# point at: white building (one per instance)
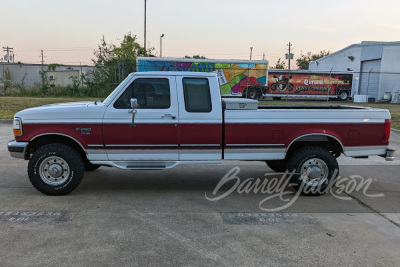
(376, 67)
(29, 74)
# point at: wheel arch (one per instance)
(327, 141)
(46, 138)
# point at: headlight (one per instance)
(17, 127)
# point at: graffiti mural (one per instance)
(233, 77)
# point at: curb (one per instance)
(6, 121)
(395, 130)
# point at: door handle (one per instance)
(168, 116)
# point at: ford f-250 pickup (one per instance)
(157, 120)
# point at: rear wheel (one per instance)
(56, 169)
(315, 170)
(343, 95)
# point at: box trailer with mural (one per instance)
(247, 78)
(303, 83)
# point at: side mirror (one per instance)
(134, 103)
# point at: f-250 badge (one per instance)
(84, 130)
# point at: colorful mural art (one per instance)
(280, 82)
(233, 76)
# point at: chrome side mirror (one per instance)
(134, 105)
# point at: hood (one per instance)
(85, 111)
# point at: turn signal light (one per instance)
(17, 132)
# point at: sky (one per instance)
(69, 31)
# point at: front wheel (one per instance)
(315, 170)
(56, 169)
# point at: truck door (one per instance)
(154, 135)
(200, 118)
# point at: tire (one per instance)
(253, 94)
(343, 95)
(91, 167)
(315, 170)
(277, 165)
(67, 169)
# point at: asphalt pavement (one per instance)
(173, 218)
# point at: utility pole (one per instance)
(263, 56)
(145, 3)
(248, 73)
(289, 56)
(8, 50)
(42, 56)
(42, 72)
(162, 35)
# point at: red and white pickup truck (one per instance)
(157, 120)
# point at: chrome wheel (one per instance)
(314, 172)
(54, 170)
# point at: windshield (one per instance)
(114, 93)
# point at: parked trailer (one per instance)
(247, 78)
(306, 84)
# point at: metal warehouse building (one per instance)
(376, 67)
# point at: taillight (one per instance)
(387, 130)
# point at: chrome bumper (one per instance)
(389, 154)
(17, 149)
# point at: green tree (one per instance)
(304, 59)
(114, 63)
(280, 64)
(196, 57)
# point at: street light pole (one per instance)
(162, 35)
(145, 2)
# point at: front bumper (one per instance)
(17, 149)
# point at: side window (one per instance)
(197, 95)
(151, 93)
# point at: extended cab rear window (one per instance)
(197, 95)
(151, 93)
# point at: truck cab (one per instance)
(177, 118)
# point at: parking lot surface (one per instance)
(172, 218)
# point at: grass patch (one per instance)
(11, 105)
